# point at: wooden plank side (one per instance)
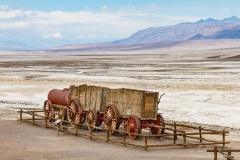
(113, 96)
(134, 102)
(82, 95)
(128, 101)
(78, 93)
(96, 97)
(149, 110)
(73, 92)
(93, 97)
(104, 95)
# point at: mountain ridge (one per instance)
(182, 31)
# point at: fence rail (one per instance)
(227, 153)
(173, 136)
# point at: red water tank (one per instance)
(58, 96)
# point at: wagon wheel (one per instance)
(133, 126)
(47, 107)
(62, 114)
(111, 118)
(92, 119)
(159, 122)
(52, 114)
(71, 112)
(80, 117)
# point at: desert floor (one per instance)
(201, 86)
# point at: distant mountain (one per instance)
(233, 33)
(12, 45)
(160, 37)
(232, 19)
(183, 31)
(197, 37)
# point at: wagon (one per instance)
(134, 109)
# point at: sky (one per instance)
(48, 23)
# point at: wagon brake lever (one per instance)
(160, 98)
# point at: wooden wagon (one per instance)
(134, 109)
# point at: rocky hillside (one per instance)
(209, 28)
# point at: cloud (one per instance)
(104, 8)
(151, 7)
(56, 35)
(4, 7)
(84, 26)
(92, 36)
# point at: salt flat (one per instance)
(201, 86)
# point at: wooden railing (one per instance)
(173, 136)
(227, 153)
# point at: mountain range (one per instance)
(156, 37)
(228, 28)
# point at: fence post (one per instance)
(200, 133)
(175, 132)
(76, 130)
(124, 139)
(223, 138)
(107, 139)
(146, 146)
(33, 117)
(46, 118)
(91, 132)
(215, 153)
(184, 139)
(229, 155)
(20, 115)
(175, 136)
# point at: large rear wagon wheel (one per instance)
(159, 122)
(133, 126)
(92, 119)
(112, 118)
(80, 117)
(71, 113)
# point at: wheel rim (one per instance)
(133, 126)
(158, 122)
(111, 118)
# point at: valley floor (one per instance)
(200, 87)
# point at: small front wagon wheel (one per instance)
(159, 122)
(48, 110)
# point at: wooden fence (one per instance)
(227, 153)
(175, 134)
